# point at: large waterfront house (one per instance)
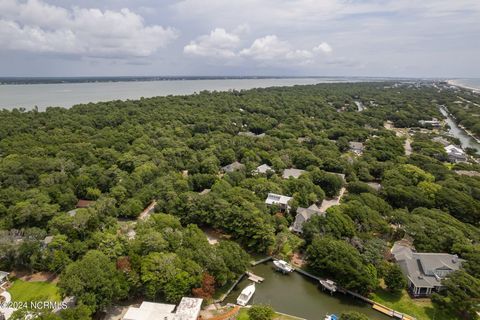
(279, 200)
(303, 215)
(292, 172)
(424, 271)
(188, 309)
(455, 154)
(232, 167)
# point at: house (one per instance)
(188, 309)
(3, 278)
(441, 140)
(356, 147)
(204, 192)
(82, 204)
(455, 154)
(232, 167)
(263, 169)
(435, 123)
(303, 215)
(295, 173)
(279, 200)
(251, 134)
(424, 271)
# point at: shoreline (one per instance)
(455, 83)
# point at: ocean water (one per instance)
(473, 83)
(68, 94)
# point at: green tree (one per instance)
(353, 315)
(93, 280)
(261, 312)
(394, 278)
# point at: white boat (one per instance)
(246, 295)
(283, 266)
(329, 285)
(331, 317)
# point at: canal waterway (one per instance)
(466, 140)
(299, 296)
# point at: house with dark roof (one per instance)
(424, 271)
(303, 215)
(232, 167)
(455, 154)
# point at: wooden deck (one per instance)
(254, 277)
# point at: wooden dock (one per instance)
(254, 263)
(254, 277)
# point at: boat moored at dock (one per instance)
(283, 266)
(246, 295)
(329, 285)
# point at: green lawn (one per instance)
(422, 309)
(243, 315)
(34, 291)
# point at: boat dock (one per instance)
(254, 277)
(254, 263)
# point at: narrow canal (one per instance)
(465, 140)
(299, 296)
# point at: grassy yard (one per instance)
(34, 291)
(243, 315)
(422, 309)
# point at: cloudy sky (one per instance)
(438, 38)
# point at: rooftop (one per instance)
(295, 173)
(274, 198)
(188, 309)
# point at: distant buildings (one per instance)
(441, 140)
(279, 200)
(435, 123)
(188, 309)
(455, 154)
(303, 215)
(424, 271)
(356, 147)
(232, 167)
(295, 173)
(251, 134)
(263, 169)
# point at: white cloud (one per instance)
(271, 49)
(219, 43)
(39, 27)
(323, 47)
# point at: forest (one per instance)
(122, 155)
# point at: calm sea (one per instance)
(471, 83)
(68, 94)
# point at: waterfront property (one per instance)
(424, 271)
(188, 309)
(232, 167)
(455, 154)
(434, 123)
(292, 172)
(304, 214)
(279, 200)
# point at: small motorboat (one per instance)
(283, 266)
(329, 285)
(246, 295)
(331, 317)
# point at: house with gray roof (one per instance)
(455, 154)
(424, 271)
(303, 215)
(263, 169)
(292, 172)
(3, 277)
(356, 147)
(232, 167)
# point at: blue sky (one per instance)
(427, 38)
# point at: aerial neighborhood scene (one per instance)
(254, 160)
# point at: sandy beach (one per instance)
(456, 83)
